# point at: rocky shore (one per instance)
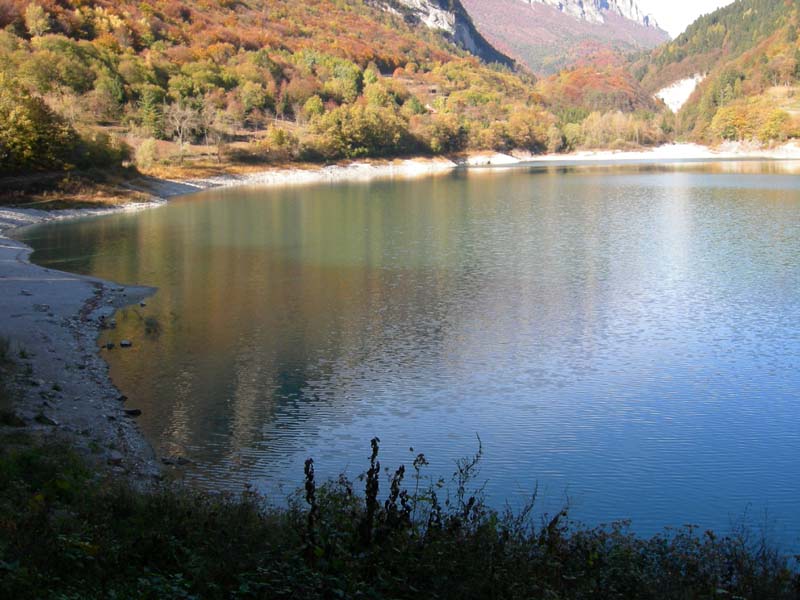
(52, 321)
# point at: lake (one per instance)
(625, 338)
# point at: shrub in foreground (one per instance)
(66, 534)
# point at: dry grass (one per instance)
(53, 191)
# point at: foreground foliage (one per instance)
(66, 534)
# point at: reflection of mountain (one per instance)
(286, 316)
(616, 332)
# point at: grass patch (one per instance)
(7, 416)
(66, 534)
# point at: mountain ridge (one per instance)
(549, 35)
(594, 10)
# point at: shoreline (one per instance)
(62, 389)
(361, 171)
(729, 151)
(53, 318)
(683, 152)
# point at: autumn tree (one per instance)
(37, 21)
(151, 110)
(182, 120)
(32, 136)
(362, 130)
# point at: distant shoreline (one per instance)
(160, 189)
(678, 152)
(421, 167)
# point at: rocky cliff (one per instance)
(451, 18)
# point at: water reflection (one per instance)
(629, 336)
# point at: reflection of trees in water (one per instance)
(293, 309)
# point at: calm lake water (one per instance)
(624, 337)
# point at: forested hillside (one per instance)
(327, 79)
(161, 83)
(750, 55)
(95, 84)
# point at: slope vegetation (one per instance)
(168, 84)
(66, 534)
(750, 55)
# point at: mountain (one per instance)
(742, 63)
(548, 35)
(595, 11)
(450, 18)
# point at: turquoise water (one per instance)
(624, 338)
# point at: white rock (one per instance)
(485, 160)
(678, 93)
(430, 14)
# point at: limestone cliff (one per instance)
(451, 18)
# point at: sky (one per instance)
(676, 15)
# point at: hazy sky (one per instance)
(675, 15)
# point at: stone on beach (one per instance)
(115, 458)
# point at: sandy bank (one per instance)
(356, 171)
(667, 152)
